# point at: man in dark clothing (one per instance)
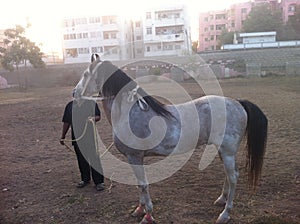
(79, 116)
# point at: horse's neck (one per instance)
(107, 105)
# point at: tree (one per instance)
(225, 38)
(263, 19)
(19, 50)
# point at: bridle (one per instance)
(131, 94)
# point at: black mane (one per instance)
(116, 80)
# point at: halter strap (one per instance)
(134, 93)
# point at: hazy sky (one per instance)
(46, 16)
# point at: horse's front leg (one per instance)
(145, 206)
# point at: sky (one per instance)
(46, 16)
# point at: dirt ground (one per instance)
(38, 175)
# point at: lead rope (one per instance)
(95, 138)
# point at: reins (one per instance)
(95, 138)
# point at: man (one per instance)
(78, 115)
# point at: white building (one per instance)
(258, 37)
(162, 32)
(167, 32)
(106, 35)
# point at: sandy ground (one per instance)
(38, 176)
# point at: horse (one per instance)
(127, 104)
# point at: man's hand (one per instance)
(62, 141)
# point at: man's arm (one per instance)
(65, 129)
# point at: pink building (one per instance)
(210, 28)
(288, 8)
(212, 23)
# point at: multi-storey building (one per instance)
(161, 32)
(232, 19)
(167, 32)
(288, 8)
(211, 26)
(108, 36)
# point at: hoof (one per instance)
(138, 212)
(223, 220)
(148, 219)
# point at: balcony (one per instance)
(110, 27)
(110, 42)
(169, 22)
(164, 38)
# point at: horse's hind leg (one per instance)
(232, 177)
(222, 199)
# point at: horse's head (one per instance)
(88, 84)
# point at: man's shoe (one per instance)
(100, 187)
(82, 184)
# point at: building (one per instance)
(210, 28)
(288, 8)
(232, 19)
(137, 39)
(106, 35)
(167, 32)
(162, 32)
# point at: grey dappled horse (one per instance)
(125, 103)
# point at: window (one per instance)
(72, 36)
(220, 27)
(177, 47)
(149, 30)
(148, 15)
(137, 24)
(139, 51)
(95, 34)
(80, 21)
(206, 29)
(109, 20)
(168, 47)
(211, 17)
(97, 49)
(106, 36)
(85, 35)
(148, 49)
(113, 36)
(206, 19)
(244, 10)
(139, 37)
(291, 8)
(71, 53)
(94, 20)
(212, 37)
(221, 16)
(79, 35)
(211, 27)
(83, 50)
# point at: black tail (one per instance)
(257, 128)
